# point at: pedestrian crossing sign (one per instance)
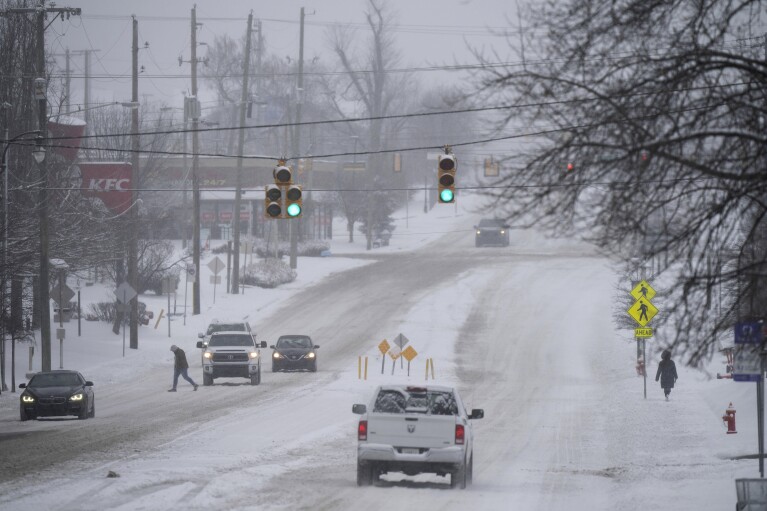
(643, 290)
(642, 311)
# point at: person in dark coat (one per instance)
(666, 373)
(180, 367)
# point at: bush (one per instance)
(268, 273)
(107, 311)
(308, 248)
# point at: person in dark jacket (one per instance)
(666, 373)
(180, 367)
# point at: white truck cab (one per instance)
(233, 354)
(413, 430)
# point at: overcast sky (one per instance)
(429, 32)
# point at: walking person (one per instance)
(666, 373)
(180, 367)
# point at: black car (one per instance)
(57, 393)
(294, 352)
(491, 232)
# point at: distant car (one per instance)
(221, 326)
(57, 393)
(294, 352)
(491, 231)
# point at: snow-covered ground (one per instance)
(566, 423)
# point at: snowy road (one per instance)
(525, 333)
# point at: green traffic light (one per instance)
(294, 210)
(446, 195)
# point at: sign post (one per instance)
(642, 312)
(216, 265)
(383, 347)
(401, 341)
(748, 365)
(124, 293)
(409, 353)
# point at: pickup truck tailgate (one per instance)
(411, 430)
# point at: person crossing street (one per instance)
(180, 367)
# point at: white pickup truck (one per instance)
(413, 430)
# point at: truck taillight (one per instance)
(459, 434)
(362, 430)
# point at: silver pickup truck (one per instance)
(413, 430)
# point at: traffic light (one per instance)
(293, 201)
(282, 174)
(273, 202)
(446, 178)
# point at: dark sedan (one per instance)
(56, 394)
(294, 352)
(491, 232)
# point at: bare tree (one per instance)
(643, 126)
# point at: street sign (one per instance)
(643, 290)
(749, 332)
(747, 364)
(354, 167)
(191, 273)
(246, 247)
(169, 285)
(401, 341)
(125, 292)
(642, 311)
(383, 347)
(409, 353)
(216, 265)
(394, 352)
(61, 334)
(215, 279)
(65, 293)
(643, 332)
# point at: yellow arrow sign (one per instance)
(383, 346)
(643, 290)
(642, 311)
(409, 353)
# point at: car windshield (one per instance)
(226, 327)
(294, 342)
(490, 223)
(419, 401)
(231, 340)
(55, 380)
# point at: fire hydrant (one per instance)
(729, 418)
(640, 367)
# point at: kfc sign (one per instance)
(108, 181)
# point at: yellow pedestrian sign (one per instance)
(643, 290)
(642, 311)
(643, 332)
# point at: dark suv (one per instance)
(491, 231)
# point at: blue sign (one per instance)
(748, 332)
(745, 377)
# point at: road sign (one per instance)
(383, 347)
(643, 290)
(748, 332)
(401, 341)
(191, 273)
(246, 247)
(65, 293)
(409, 353)
(642, 311)
(747, 364)
(216, 265)
(394, 352)
(125, 292)
(643, 332)
(215, 279)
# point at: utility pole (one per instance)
(235, 282)
(195, 171)
(297, 138)
(134, 217)
(67, 83)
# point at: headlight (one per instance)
(207, 354)
(77, 397)
(479, 232)
(253, 354)
(276, 355)
(503, 232)
(26, 398)
(310, 355)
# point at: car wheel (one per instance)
(275, 368)
(93, 409)
(207, 379)
(83, 412)
(23, 414)
(458, 478)
(313, 368)
(470, 471)
(364, 474)
(255, 378)
(477, 243)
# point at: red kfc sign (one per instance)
(108, 181)
(66, 133)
